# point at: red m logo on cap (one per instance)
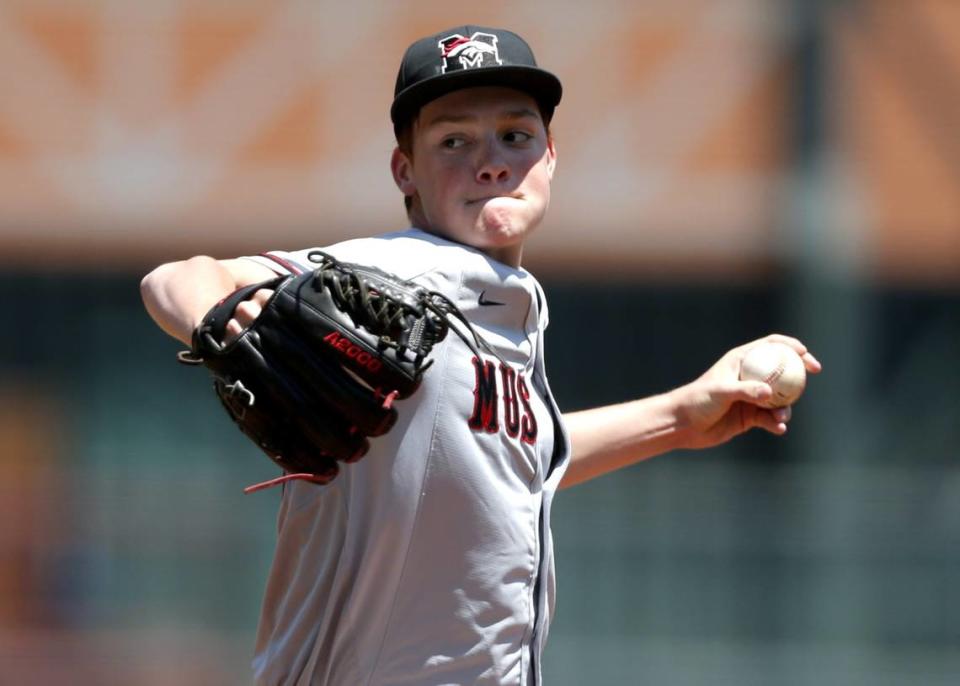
(459, 52)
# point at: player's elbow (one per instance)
(152, 284)
(149, 284)
(159, 278)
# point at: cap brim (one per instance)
(540, 84)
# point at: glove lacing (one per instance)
(386, 313)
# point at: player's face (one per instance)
(481, 168)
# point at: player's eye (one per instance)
(517, 137)
(453, 142)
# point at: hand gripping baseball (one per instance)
(724, 402)
(314, 375)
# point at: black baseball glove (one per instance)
(316, 374)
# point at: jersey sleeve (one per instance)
(434, 262)
(282, 262)
(403, 254)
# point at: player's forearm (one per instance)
(178, 294)
(608, 438)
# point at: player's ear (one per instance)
(402, 169)
(551, 156)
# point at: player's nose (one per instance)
(492, 165)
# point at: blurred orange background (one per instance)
(135, 130)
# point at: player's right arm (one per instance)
(178, 294)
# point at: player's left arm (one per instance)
(703, 413)
(178, 294)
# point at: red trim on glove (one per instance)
(312, 478)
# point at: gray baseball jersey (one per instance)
(430, 561)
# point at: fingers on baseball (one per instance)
(752, 392)
(772, 421)
(773, 426)
(811, 363)
(786, 340)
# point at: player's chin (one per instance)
(507, 239)
(500, 228)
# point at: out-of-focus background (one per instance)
(726, 169)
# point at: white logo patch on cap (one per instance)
(460, 52)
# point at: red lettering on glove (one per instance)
(352, 351)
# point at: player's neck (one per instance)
(509, 254)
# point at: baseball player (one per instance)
(430, 561)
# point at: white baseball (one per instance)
(778, 365)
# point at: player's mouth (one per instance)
(485, 198)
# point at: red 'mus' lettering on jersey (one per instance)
(511, 407)
(529, 423)
(513, 390)
(484, 416)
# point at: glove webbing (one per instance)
(384, 311)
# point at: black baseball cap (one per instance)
(464, 57)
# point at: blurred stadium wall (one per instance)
(726, 169)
